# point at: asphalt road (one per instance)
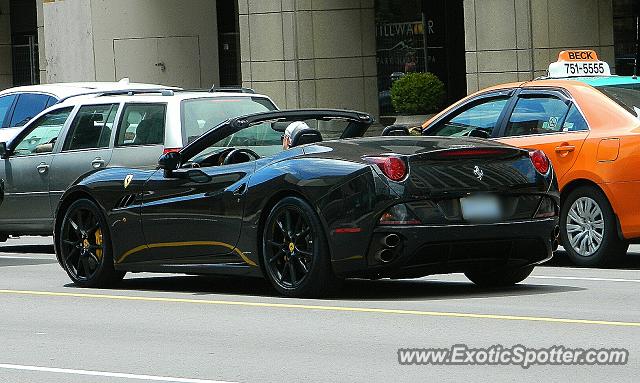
(203, 329)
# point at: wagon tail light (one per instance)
(393, 167)
(171, 150)
(540, 161)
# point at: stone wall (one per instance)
(310, 53)
(516, 40)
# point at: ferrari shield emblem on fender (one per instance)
(478, 173)
(127, 180)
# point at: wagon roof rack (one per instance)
(124, 92)
(231, 89)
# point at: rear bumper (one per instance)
(425, 250)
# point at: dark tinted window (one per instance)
(536, 115)
(91, 128)
(43, 133)
(142, 124)
(476, 121)
(5, 105)
(27, 107)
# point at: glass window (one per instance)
(626, 95)
(477, 121)
(91, 128)
(52, 101)
(574, 121)
(5, 105)
(142, 124)
(44, 134)
(536, 115)
(202, 114)
(28, 106)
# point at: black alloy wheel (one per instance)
(85, 247)
(295, 252)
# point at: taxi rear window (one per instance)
(626, 95)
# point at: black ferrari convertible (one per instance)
(332, 206)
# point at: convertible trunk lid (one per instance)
(447, 166)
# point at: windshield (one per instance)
(202, 114)
(626, 95)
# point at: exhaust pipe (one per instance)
(384, 256)
(391, 241)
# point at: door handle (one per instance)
(240, 190)
(97, 163)
(565, 148)
(42, 168)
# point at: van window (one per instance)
(142, 124)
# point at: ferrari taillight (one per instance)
(399, 215)
(393, 167)
(540, 161)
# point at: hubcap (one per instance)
(585, 226)
(81, 244)
(289, 248)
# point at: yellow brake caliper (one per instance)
(99, 243)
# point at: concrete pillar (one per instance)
(6, 73)
(516, 40)
(310, 53)
(42, 57)
(156, 41)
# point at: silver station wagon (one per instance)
(90, 132)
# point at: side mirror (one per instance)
(169, 162)
(3, 150)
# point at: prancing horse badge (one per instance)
(127, 180)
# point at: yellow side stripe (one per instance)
(184, 244)
(329, 308)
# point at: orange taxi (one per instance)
(587, 121)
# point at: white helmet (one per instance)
(296, 125)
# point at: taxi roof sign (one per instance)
(578, 63)
(578, 55)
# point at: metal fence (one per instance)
(26, 69)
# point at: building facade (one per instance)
(307, 53)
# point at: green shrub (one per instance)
(417, 93)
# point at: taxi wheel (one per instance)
(502, 278)
(588, 228)
(295, 253)
(85, 246)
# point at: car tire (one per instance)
(501, 278)
(599, 223)
(84, 243)
(295, 253)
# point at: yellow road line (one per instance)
(325, 308)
